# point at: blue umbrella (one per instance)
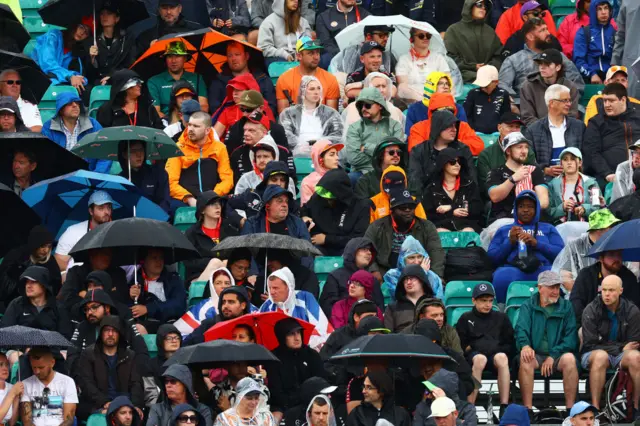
(63, 201)
(625, 237)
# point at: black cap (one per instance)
(510, 118)
(39, 274)
(400, 198)
(552, 56)
(100, 278)
(368, 46)
(169, 3)
(483, 289)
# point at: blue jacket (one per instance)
(49, 55)
(594, 55)
(502, 251)
(419, 112)
(53, 129)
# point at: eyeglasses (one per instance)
(354, 283)
(12, 82)
(172, 339)
(246, 109)
(366, 105)
(480, 4)
(188, 419)
(423, 36)
(564, 101)
(453, 162)
(92, 308)
(394, 152)
(369, 388)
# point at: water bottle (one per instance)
(465, 204)
(522, 249)
(595, 195)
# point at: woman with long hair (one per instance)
(280, 31)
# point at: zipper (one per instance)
(603, 48)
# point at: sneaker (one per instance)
(532, 415)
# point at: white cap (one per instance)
(442, 407)
(512, 139)
(485, 75)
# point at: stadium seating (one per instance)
(152, 347)
(184, 218)
(196, 292)
(47, 104)
(451, 240)
(457, 294)
(323, 265)
(608, 192)
(99, 95)
(590, 90)
(563, 7)
(29, 47)
(304, 167)
(97, 420)
(517, 293)
(489, 139)
(465, 91)
(276, 69)
(30, 7)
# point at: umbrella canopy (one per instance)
(128, 236)
(11, 27)
(34, 82)
(256, 242)
(221, 351)
(53, 160)
(625, 237)
(103, 144)
(16, 220)
(63, 201)
(263, 327)
(18, 336)
(65, 13)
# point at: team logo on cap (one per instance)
(483, 287)
(406, 194)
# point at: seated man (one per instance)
(70, 124)
(332, 20)
(170, 20)
(187, 107)
(57, 54)
(522, 250)
(393, 179)
(49, 397)
(121, 412)
(204, 167)
(558, 130)
(23, 167)
(283, 297)
(507, 181)
(533, 102)
(348, 60)
(275, 216)
(611, 336)
(151, 180)
(487, 339)
(413, 286)
(512, 19)
(486, 103)
(547, 339)
(371, 58)
(107, 369)
(530, 9)
(391, 151)
(432, 308)
(616, 74)
(11, 85)
(260, 154)
(593, 45)
(10, 116)
(623, 183)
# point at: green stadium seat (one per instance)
(152, 347)
(97, 420)
(29, 47)
(458, 293)
(304, 167)
(489, 139)
(590, 90)
(458, 239)
(14, 373)
(99, 95)
(323, 265)
(276, 69)
(196, 292)
(30, 7)
(321, 285)
(116, 168)
(47, 104)
(465, 92)
(559, 20)
(608, 192)
(563, 7)
(513, 315)
(182, 271)
(36, 26)
(184, 218)
(454, 314)
(517, 293)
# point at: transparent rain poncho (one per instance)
(261, 415)
(332, 416)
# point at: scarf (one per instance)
(578, 192)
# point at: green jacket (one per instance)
(381, 233)
(555, 210)
(470, 42)
(560, 326)
(364, 135)
(369, 184)
(491, 158)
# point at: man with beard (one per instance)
(589, 282)
(121, 412)
(514, 176)
(170, 20)
(516, 68)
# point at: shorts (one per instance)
(541, 359)
(490, 365)
(614, 361)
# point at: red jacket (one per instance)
(570, 26)
(510, 22)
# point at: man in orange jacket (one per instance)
(205, 165)
(421, 131)
(511, 20)
(393, 178)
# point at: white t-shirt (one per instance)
(418, 70)
(47, 406)
(69, 239)
(30, 113)
(3, 395)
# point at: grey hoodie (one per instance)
(448, 382)
(272, 38)
(260, 9)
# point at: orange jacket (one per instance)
(192, 153)
(421, 131)
(381, 200)
(510, 22)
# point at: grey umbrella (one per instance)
(263, 241)
(220, 351)
(18, 336)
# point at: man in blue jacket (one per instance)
(70, 124)
(593, 45)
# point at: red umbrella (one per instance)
(263, 326)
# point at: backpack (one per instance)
(470, 263)
(619, 391)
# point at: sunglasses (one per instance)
(12, 82)
(246, 109)
(423, 36)
(537, 13)
(366, 105)
(381, 35)
(406, 207)
(188, 419)
(394, 152)
(480, 5)
(453, 162)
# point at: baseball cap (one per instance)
(483, 289)
(510, 118)
(368, 46)
(601, 219)
(552, 56)
(132, 82)
(614, 69)
(528, 6)
(442, 407)
(337, 146)
(486, 74)
(251, 99)
(189, 107)
(169, 3)
(512, 139)
(580, 407)
(571, 150)
(260, 118)
(307, 43)
(8, 109)
(370, 29)
(185, 90)
(635, 146)
(549, 278)
(99, 198)
(36, 273)
(401, 198)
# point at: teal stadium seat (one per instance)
(97, 420)
(196, 292)
(47, 104)
(517, 293)
(116, 168)
(489, 139)
(608, 192)
(99, 95)
(465, 92)
(563, 7)
(29, 47)
(276, 69)
(152, 347)
(304, 167)
(184, 218)
(30, 7)
(451, 240)
(454, 314)
(323, 265)
(590, 90)
(457, 294)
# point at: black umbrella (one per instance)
(220, 351)
(11, 27)
(16, 220)
(34, 82)
(18, 336)
(257, 242)
(65, 13)
(53, 160)
(128, 236)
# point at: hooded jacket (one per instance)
(596, 326)
(400, 313)
(470, 42)
(92, 374)
(366, 414)
(484, 111)
(626, 49)
(515, 415)
(447, 336)
(341, 218)
(160, 413)
(261, 9)
(343, 335)
(308, 185)
(593, 53)
(157, 368)
(448, 382)
(53, 129)
(310, 388)
(115, 55)
(532, 103)
(489, 334)
(10, 103)
(272, 39)
(342, 312)
(236, 10)
(421, 132)
(381, 205)
(570, 26)
(295, 366)
(422, 164)
(181, 408)
(626, 205)
(218, 87)
(332, 20)
(161, 29)
(229, 113)
(200, 169)
(111, 114)
(119, 402)
(53, 59)
(151, 180)
(369, 184)
(502, 251)
(435, 196)
(335, 287)
(175, 296)
(510, 22)
(556, 212)
(239, 151)
(364, 136)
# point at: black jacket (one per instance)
(596, 326)
(484, 111)
(400, 313)
(116, 56)
(239, 157)
(348, 218)
(52, 317)
(335, 287)
(366, 414)
(218, 91)
(330, 22)
(151, 180)
(176, 297)
(297, 415)
(588, 281)
(625, 208)
(436, 196)
(160, 29)
(156, 364)
(488, 334)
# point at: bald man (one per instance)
(611, 332)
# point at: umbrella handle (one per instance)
(95, 41)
